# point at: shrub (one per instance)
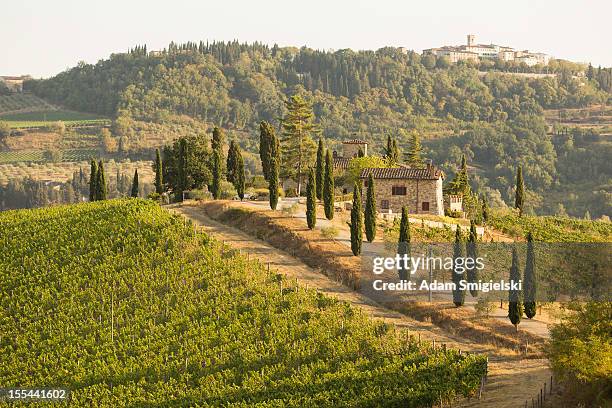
(228, 191)
(330, 232)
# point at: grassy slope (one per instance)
(189, 326)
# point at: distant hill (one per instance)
(496, 120)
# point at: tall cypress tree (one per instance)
(135, 185)
(458, 293)
(232, 161)
(519, 197)
(159, 183)
(320, 170)
(485, 210)
(311, 200)
(356, 221)
(530, 280)
(93, 177)
(239, 176)
(273, 183)
(215, 186)
(403, 242)
(101, 188)
(515, 304)
(389, 148)
(370, 211)
(328, 187)
(471, 251)
(265, 141)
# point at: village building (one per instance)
(350, 150)
(419, 189)
(476, 52)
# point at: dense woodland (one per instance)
(495, 119)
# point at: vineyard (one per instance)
(551, 228)
(38, 156)
(23, 102)
(63, 171)
(123, 304)
(43, 117)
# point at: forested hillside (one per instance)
(496, 119)
(124, 305)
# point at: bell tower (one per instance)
(471, 40)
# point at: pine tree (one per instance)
(135, 185)
(311, 200)
(215, 186)
(273, 183)
(471, 252)
(413, 156)
(370, 211)
(328, 187)
(298, 146)
(529, 280)
(320, 169)
(458, 293)
(515, 304)
(101, 188)
(93, 177)
(403, 242)
(159, 186)
(356, 221)
(519, 198)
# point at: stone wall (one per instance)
(417, 192)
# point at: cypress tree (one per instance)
(159, 187)
(218, 138)
(403, 242)
(311, 200)
(458, 293)
(529, 280)
(356, 221)
(519, 198)
(370, 211)
(471, 251)
(485, 210)
(320, 170)
(101, 188)
(93, 177)
(135, 185)
(273, 183)
(389, 148)
(239, 172)
(328, 187)
(231, 162)
(215, 186)
(515, 305)
(182, 169)
(360, 153)
(265, 141)
(395, 152)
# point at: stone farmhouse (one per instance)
(419, 189)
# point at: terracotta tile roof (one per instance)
(355, 141)
(425, 173)
(341, 162)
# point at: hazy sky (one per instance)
(42, 38)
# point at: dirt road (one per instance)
(511, 379)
